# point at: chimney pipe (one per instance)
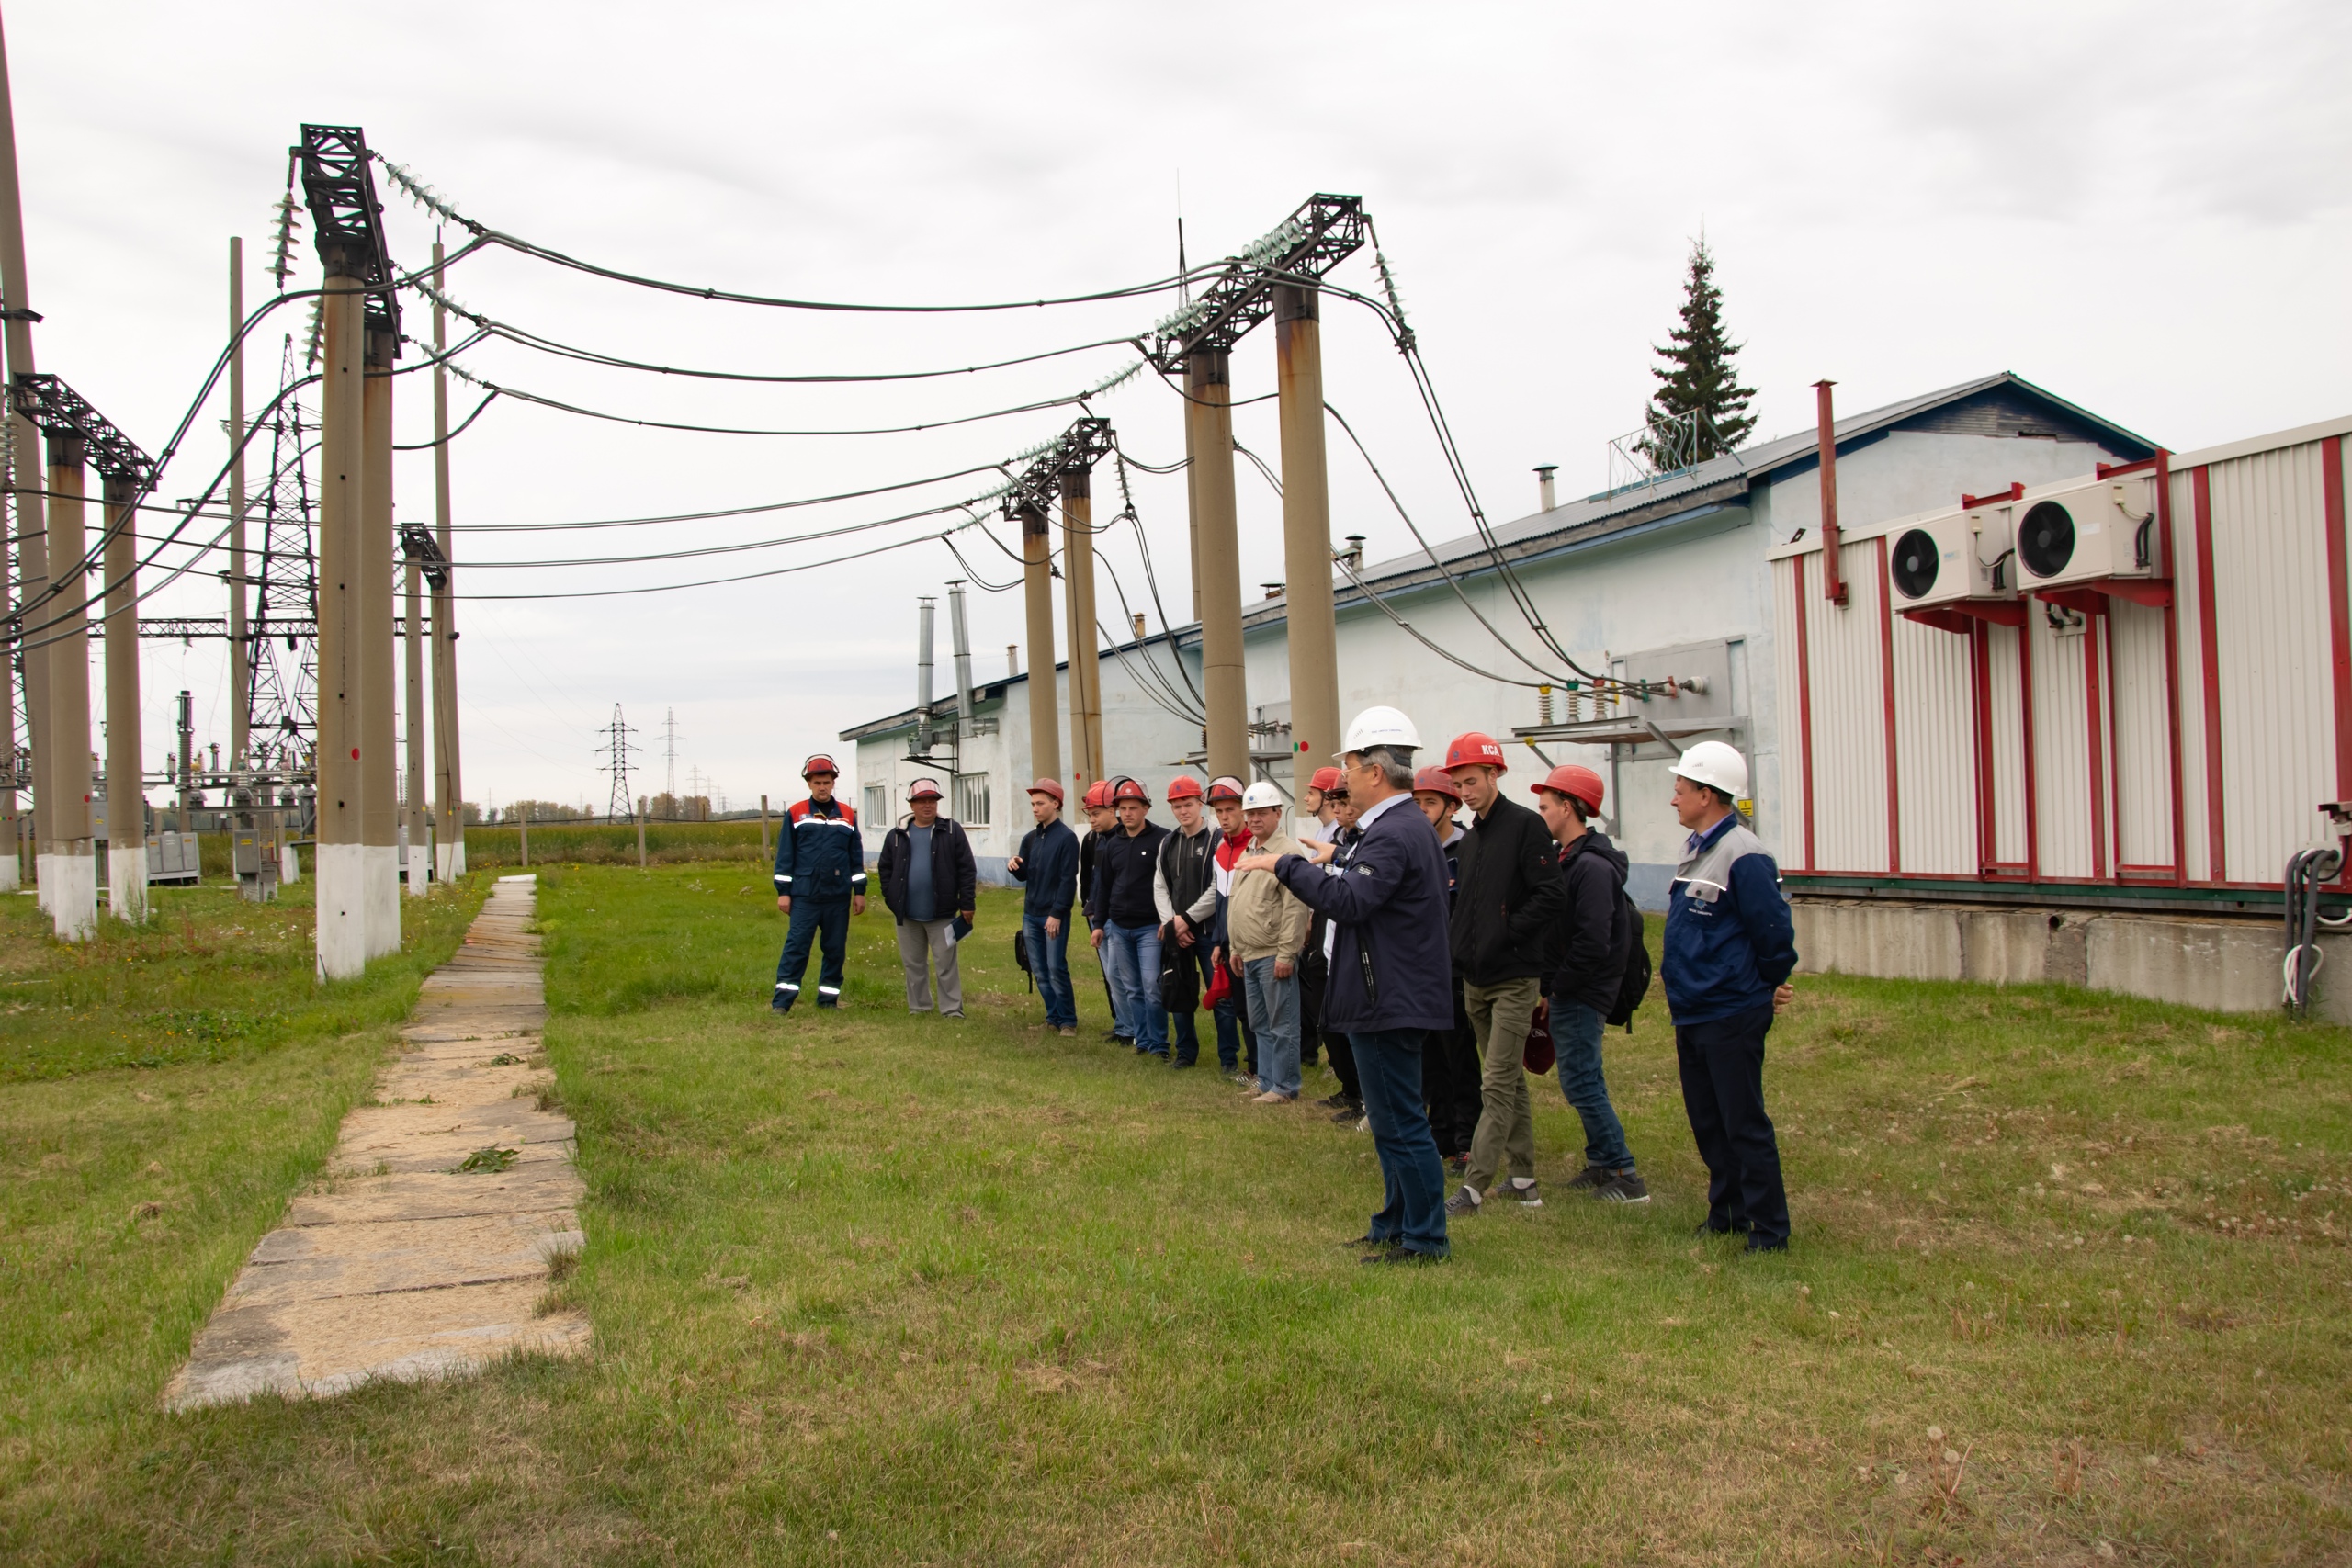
(1833, 587)
(1139, 626)
(922, 674)
(1355, 552)
(1012, 659)
(957, 631)
(1545, 492)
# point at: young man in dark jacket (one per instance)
(929, 882)
(1730, 948)
(1590, 944)
(820, 883)
(1184, 896)
(1126, 915)
(1101, 823)
(1450, 1061)
(1387, 987)
(1506, 896)
(1046, 867)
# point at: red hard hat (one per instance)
(1473, 749)
(1098, 795)
(1048, 786)
(1436, 781)
(1128, 789)
(1225, 787)
(820, 763)
(1576, 779)
(1329, 780)
(1187, 787)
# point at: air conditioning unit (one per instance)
(2084, 533)
(1952, 559)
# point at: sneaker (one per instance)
(1462, 1203)
(1523, 1189)
(1590, 1177)
(1066, 1033)
(1456, 1164)
(1623, 1187)
(1339, 1102)
(1767, 1243)
(1708, 1227)
(1406, 1257)
(957, 1016)
(1111, 1036)
(1350, 1111)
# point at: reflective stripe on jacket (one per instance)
(1729, 938)
(820, 853)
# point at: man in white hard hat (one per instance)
(1266, 926)
(1388, 983)
(1730, 948)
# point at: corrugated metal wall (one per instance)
(2102, 739)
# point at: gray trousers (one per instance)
(1501, 1016)
(924, 946)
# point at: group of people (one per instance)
(1436, 938)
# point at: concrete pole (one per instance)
(1086, 759)
(342, 882)
(449, 790)
(240, 648)
(32, 556)
(763, 829)
(420, 819)
(70, 867)
(1208, 436)
(1306, 532)
(126, 780)
(378, 739)
(1044, 704)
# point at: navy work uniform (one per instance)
(1729, 944)
(820, 866)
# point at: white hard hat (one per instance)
(1381, 727)
(1261, 795)
(1719, 766)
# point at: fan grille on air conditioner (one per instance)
(2046, 539)
(1914, 566)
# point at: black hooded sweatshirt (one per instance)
(1506, 896)
(1588, 948)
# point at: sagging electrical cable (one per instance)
(425, 197)
(1410, 630)
(700, 551)
(480, 409)
(791, 506)
(521, 337)
(1150, 573)
(716, 582)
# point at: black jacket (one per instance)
(1507, 895)
(1388, 966)
(1122, 873)
(1588, 947)
(1049, 870)
(952, 870)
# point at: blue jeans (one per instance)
(1274, 1016)
(1131, 953)
(813, 919)
(1049, 966)
(1575, 1043)
(1389, 1064)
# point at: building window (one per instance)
(877, 804)
(972, 799)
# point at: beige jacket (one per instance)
(1263, 919)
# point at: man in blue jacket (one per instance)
(1046, 867)
(820, 882)
(1390, 974)
(1730, 948)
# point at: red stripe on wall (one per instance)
(2201, 501)
(2172, 665)
(1886, 680)
(1805, 709)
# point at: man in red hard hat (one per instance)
(1507, 894)
(1046, 866)
(1183, 891)
(1101, 823)
(1125, 917)
(1590, 948)
(1233, 1033)
(820, 883)
(1450, 1061)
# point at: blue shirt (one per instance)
(921, 905)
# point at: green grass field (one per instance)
(2070, 1284)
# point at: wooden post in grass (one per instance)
(640, 830)
(522, 829)
(763, 828)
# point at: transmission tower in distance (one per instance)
(281, 706)
(617, 747)
(670, 739)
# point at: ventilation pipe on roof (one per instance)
(1353, 554)
(1546, 491)
(922, 674)
(962, 637)
(1833, 587)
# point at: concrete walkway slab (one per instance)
(398, 1263)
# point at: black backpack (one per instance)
(1633, 975)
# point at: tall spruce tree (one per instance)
(1698, 377)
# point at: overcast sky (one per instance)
(2141, 207)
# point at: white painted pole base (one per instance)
(343, 911)
(126, 886)
(289, 865)
(418, 859)
(44, 879)
(8, 878)
(73, 900)
(382, 863)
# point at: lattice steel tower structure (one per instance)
(618, 745)
(282, 713)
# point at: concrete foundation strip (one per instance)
(395, 1265)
